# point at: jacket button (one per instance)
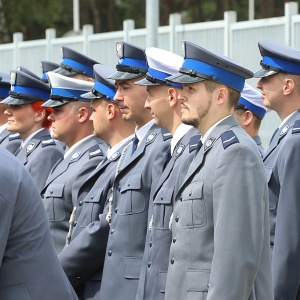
(174, 240)
(172, 261)
(43, 196)
(119, 188)
(112, 231)
(116, 210)
(109, 253)
(150, 244)
(80, 203)
(149, 264)
(161, 198)
(180, 198)
(51, 191)
(75, 223)
(190, 193)
(92, 197)
(128, 183)
(177, 219)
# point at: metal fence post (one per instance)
(87, 30)
(229, 18)
(174, 20)
(128, 25)
(290, 9)
(17, 38)
(152, 22)
(50, 35)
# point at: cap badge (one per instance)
(119, 49)
(12, 78)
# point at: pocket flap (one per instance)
(197, 280)
(55, 190)
(165, 195)
(94, 195)
(133, 267)
(194, 191)
(134, 182)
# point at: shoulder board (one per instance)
(228, 138)
(296, 127)
(151, 137)
(194, 142)
(95, 151)
(47, 140)
(14, 136)
(165, 134)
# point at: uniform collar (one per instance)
(286, 119)
(24, 143)
(141, 132)
(70, 150)
(178, 134)
(116, 147)
(3, 127)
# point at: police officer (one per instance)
(137, 174)
(249, 112)
(279, 85)
(38, 151)
(220, 246)
(29, 266)
(75, 65)
(71, 125)
(164, 105)
(9, 140)
(87, 240)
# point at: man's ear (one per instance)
(172, 96)
(248, 117)
(110, 111)
(288, 86)
(83, 114)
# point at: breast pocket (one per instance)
(54, 202)
(163, 207)
(132, 198)
(273, 199)
(92, 206)
(193, 212)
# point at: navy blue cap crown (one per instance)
(277, 58)
(200, 64)
(4, 85)
(46, 67)
(103, 87)
(132, 62)
(74, 63)
(26, 89)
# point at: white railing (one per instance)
(229, 37)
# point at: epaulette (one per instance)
(228, 138)
(95, 151)
(296, 127)
(14, 136)
(194, 142)
(47, 140)
(166, 134)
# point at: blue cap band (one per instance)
(134, 62)
(4, 92)
(44, 76)
(43, 95)
(105, 90)
(77, 65)
(228, 78)
(256, 110)
(288, 66)
(68, 93)
(162, 76)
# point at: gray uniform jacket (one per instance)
(29, 268)
(61, 190)
(152, 280)
(137, 176)
(220, 246)
(259, 145)
(39, 156)
(282, 167)
(89, 235)
(10, 141)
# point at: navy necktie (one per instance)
(134, 143)
(199, 145)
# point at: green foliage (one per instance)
(33, 17)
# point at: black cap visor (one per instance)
(264, 73)
(17, 101)
(66, 71)
(184, 78)
(55, 103)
